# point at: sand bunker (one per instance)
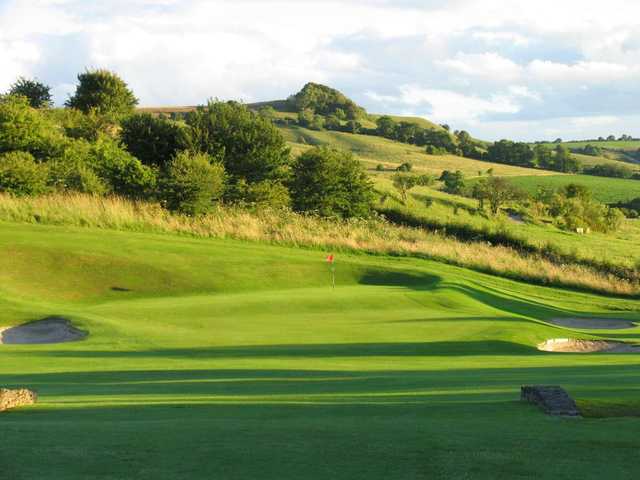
(569, 345)
(48, 330)
(593, 323)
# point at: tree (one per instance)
(403, 182)
(192, 183)
(323, 100)
(21, 175)
(543, 156)
(103, 92)
(154, 141)
(250, 147)
(386, 126)
(497, 191)
(331, 183)
(453, 181)
(38, 94)
(564, 161)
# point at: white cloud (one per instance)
(464, 61)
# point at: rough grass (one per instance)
(285, 228)
(457, 213)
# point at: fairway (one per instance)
(224, 359)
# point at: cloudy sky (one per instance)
(498, 68)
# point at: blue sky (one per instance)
(500, 69)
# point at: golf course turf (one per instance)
(235, 360)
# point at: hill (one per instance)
(209, 356)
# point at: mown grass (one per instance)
(216, 358)
(286, 228)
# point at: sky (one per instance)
(525, 70)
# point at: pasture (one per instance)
(225, 359)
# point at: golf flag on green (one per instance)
(332, 267)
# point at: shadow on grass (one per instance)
(414, 349)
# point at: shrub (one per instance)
(154, 141)
(250, 147)
(405, 167)
(38, 94)
(87, 126)
(380, 167)
(121, 171)
(331, 182)
(103, 92)
(192, 183)
(23, 128)
(21, 175)
(74, 170)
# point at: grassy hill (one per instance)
(372, 150)
(220, 358)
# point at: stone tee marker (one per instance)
(16, 398)
(553, 399)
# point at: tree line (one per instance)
(221, 153)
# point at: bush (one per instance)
(21, 175)
(405, 167)
(192, 183)
(73, 171)
(331, 183)
(609, 170)
(87, 126)
(122, 172)
(154, 141)
(38, 94)
(103, 92)
(23, 128)
(250, 147)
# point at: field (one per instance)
(226, 359)
(607, 190)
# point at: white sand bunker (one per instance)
(48, 330)
(569, 345)
(593, 323)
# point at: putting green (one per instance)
(223, 359)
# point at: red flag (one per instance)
(330, 258)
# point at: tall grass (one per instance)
(374, 236)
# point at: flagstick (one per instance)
(333, 275)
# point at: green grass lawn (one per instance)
(224, 359)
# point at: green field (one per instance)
(618, 247)
(604, 189)
(224, 359)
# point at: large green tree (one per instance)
(104, 92)
(331, 183)
(251, 148)
(154, 141)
